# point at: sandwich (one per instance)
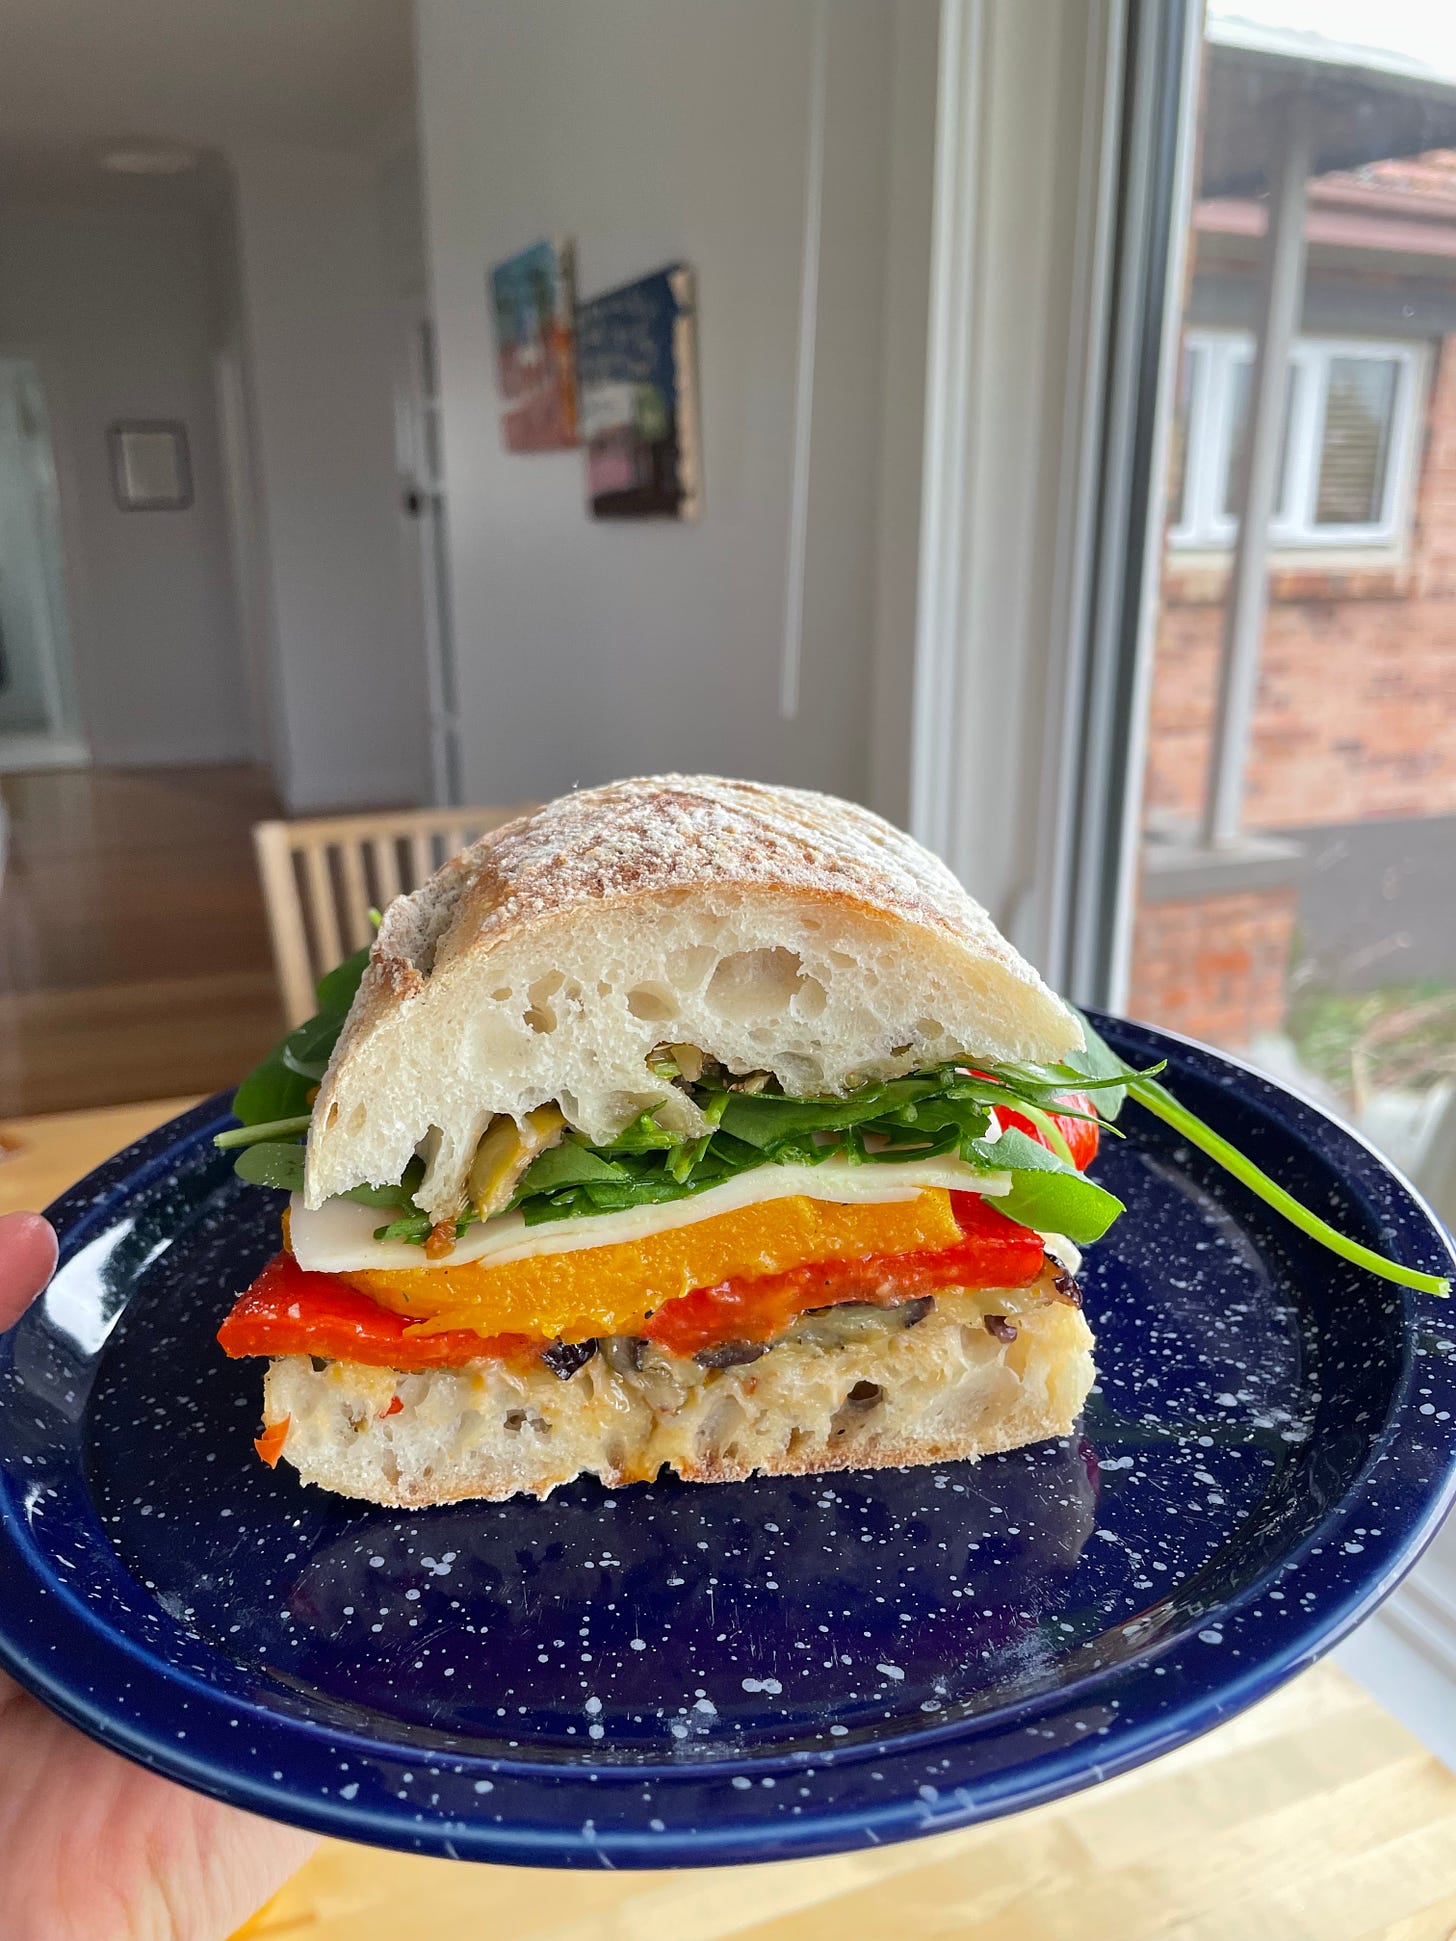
(683, 1124)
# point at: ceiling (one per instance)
(79, 74)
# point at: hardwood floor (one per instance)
(134, 959)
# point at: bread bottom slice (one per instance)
(848, 1389)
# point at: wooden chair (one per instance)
(322, 877)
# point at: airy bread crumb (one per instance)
(770, 928)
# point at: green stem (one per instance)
(274, 1129)
(1049, 1129)
(1164, 1106)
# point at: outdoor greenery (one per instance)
(1396, 1037)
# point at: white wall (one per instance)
(651, 130)
(400, 195)
(347, 678)
(117, 306)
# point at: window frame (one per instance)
(1059, 436)
(1205, 527)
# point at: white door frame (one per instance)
(419, 448)
(1025, 738)
(1024, 206)
(247, 551)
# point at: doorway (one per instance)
(38, 723)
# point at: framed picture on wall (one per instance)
(532, 298)
(151, 469)
(637, 373)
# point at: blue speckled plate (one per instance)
(677, 1675)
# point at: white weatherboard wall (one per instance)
(653, 131)
(117, 307)
(348, 682)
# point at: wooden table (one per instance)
(1313, 1817)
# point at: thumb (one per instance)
(27, 1260)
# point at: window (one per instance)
(1349, 427)
(1286, 740)
(1292, 888)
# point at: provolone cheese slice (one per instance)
(338, 1237)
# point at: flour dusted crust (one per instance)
(944, 1390)
(772, 928)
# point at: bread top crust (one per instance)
(658, 833)
(548, 887)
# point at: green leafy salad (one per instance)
(946, 1109)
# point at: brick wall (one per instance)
(1214, 967)
(1356, 714)
(1355, 720)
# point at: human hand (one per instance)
(93, 1848)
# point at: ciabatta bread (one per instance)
(841, 1391)
(772, 929)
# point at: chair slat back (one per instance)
(321, 878)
